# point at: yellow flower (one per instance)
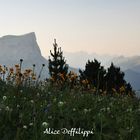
(122, 89)
(17, 66)
(3, 71)
(28, 71)
(62, 76)
(34, 77)
(52, 79)
(85, 82)
(11, 70)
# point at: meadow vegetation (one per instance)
(96, 99)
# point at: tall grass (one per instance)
(26, 110)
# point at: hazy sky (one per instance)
(101, 26)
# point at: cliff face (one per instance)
(13, 48)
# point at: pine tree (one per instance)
(114, 78)
(94, 73)
(57, 65)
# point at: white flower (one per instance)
(85, 110)
(32, 101)
(108, 109)
(31, 124)
(24, 126)
(45, 124)
(18, 106)
(7, 108)
(4, 98)
(21, 91)
(60, 104)
(129, 110)
(38, 94)
(74, 109)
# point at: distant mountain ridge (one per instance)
(13, 48)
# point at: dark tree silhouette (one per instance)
(57, 65)
(114, 78)
(94, 73)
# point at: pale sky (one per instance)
(100, 26)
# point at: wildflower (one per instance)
(85, 110)
(3, 71)
(108, 108)
(18, 106)
(24, 126)
(74, 109)
(31, 124)
(34, 77)
(32, 101)
(4, 98)
(7, 108)
(122, 89)
(45, 124)
(52, 79)
(60, 104)
(38, 94)
(17, 66)
(28, 71)
(129, 110)
(21, 91)
(62, 76)
(85, 82)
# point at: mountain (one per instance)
(79, 59)
(134, 78)
(127, 62)
(13, 48)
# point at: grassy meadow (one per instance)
(28, 107)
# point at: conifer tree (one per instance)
(57, 65)
(114, 78)
(94, 73)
